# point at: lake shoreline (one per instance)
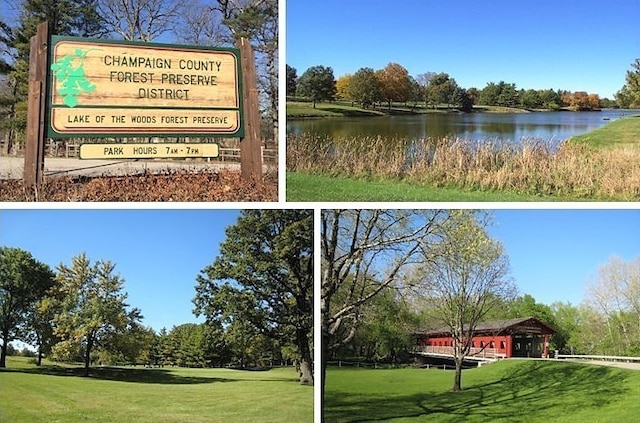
(304, 111)
(553, 127)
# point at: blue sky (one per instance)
(577, 45)
(157, 252)
(555, 254)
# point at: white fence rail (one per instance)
(598, 357)
(473, 353)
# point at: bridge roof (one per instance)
(521, 325)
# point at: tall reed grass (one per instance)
(530, 166)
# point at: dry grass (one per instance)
(530, 167)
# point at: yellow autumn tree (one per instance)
(342, 87)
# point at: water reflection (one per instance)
(547, 126)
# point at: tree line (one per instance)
(256, 297)
(393, 84)
(197, 22)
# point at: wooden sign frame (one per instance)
(126, 89)
(40, 108)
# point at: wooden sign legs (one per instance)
(250, 148)
(36, 115)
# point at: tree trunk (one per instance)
(324, 351)
(457, 380)
(306, 372)
(5, 347)
(3, 356)
(323, 364)
(87, 355)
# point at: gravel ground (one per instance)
(12, 167)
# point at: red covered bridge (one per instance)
(522, 337)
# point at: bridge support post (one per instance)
(545, 350)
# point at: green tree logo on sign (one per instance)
(71, 80)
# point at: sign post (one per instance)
(250, 148)
(36, 115)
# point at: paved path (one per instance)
(12, 167)
(620, 364)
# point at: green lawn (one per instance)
(58, 394)
(306, 187)
(338, 108)
(303, 110)
(509, 391)
(623, 132)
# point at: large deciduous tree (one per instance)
(365, 252)
(395, 83)
(423, 80)
(24, 281)
(500, 94)
(442, 89)
(93, 306)
(39, 323)
(343, 85)
(317, 83)
(264, 277)
(615, 294)
(364, 87)
(463, 277)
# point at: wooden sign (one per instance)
(148, 151)
(80, 87)
(123, 88)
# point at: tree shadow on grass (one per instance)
(122, 374)
(533, 388)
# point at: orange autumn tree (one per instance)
(395, 83)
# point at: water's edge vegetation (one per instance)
(603, 164)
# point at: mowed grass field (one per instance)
(308, 187)
(58, 394)
(508, 391)
(621, 133)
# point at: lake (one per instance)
(547, 126)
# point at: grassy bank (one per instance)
(307, 187)
(508, 391)
(56, 394)
(304, 110)
(533, 169)
(620, 133)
